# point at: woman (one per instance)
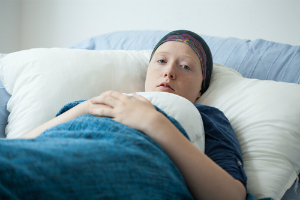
(181, 63)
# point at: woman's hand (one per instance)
(136, 111)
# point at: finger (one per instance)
(112, 93)
(95, 103)
(102, 112)
(100, 105)
(117, 95)
(105, 99)
(95, 99)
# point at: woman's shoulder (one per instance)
(206, 108)
(210, 113)
(216, 124)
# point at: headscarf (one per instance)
(198, 45)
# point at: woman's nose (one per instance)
(170, 71)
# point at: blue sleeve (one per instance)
(221, 143)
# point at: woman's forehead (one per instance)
(176, 48)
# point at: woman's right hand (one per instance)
(136, 112)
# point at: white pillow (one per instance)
(41, 81)
(183, 111)
(2, 55)
(265, 116)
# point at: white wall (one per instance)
(59, 23)
(10, 25)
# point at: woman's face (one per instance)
(175, 68)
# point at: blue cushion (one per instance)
(122, 40)
(260, 59)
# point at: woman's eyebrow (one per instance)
(162, 52)
(182, 55)
(189, 57)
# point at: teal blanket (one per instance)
(90, 158)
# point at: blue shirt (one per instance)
(221, 144)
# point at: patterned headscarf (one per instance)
(198, 45)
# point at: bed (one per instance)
(260, 98)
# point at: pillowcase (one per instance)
(265, 116)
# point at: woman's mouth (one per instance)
(165, 86)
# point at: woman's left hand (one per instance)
(136, 111)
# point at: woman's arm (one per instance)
(204, 178)
(80, 109)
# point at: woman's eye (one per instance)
(161, 61)
(186, 67)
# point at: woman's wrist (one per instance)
(158, 127)
(85, 107)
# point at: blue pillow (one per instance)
(122, 40)
(259, 59)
